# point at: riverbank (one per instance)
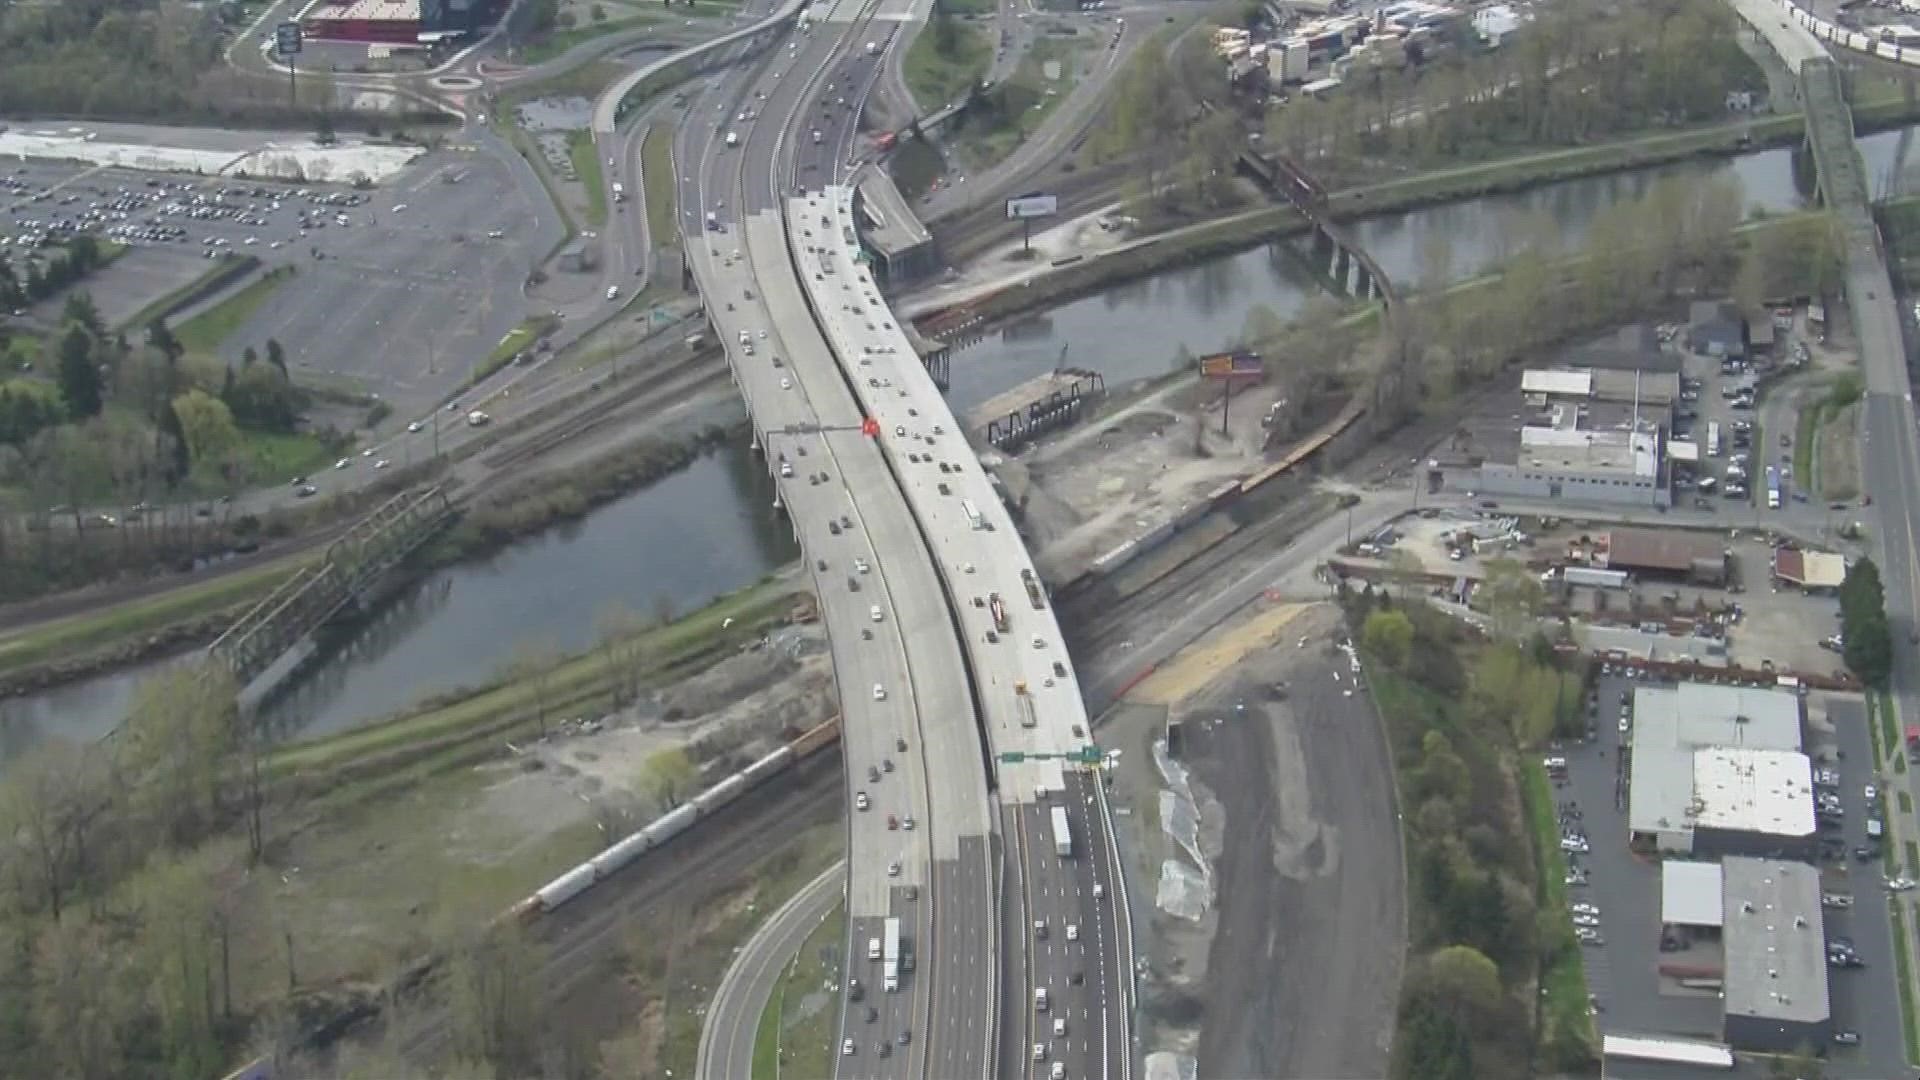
(467, 725)
(63, 650)
(1184, 245)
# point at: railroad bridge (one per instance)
(1347, 263)
(343, 578)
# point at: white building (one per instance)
(1563, 459)
(1717, 770)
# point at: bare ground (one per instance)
(1837, 455)
(368, 888)
(1296, 970)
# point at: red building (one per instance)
(394, 22)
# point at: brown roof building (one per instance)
(1674, 552)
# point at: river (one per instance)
(1137, 330)
(710, 528)
(695, 534)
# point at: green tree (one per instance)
(206, 427)
(497, 1014)
(669, 776)
(178, 958)
(81, 310)
(79, 373)
(1867, 640)
(1388, 634)
(1513, 597)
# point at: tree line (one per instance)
(1575, 73)
(1866, 641)
(119, 423)
(1461, 711)
(79, 257)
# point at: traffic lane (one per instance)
(1863, 999)
(1055, 895)
(1104, 927)
(960, 1036)
(784, 94)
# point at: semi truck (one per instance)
(1062, 834)
(890, 957)
(1024, 701)
(999, 611)
(1035, 594)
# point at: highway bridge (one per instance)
(963, 721)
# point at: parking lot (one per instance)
(1622, 973)
(400, 291)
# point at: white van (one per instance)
(873, 948)
(1040, 999)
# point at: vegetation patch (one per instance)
(656, 174)
(206, 332)
(1903, 960)
(557, 42)
(512, 344)
(1494, 978)
(997, 120)
(945, 60)
(809, 1019)
(586, 166)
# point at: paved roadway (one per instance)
(980, 555)
(727, 1033)
(945, 856)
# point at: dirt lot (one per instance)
(1294, 971)
(1094, 487)
(367, 887)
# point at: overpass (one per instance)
(607, 108)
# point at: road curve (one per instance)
(733, 1021)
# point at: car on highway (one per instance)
(1073, 931)
(414, 427)
(1039, 1051)
(879, 693)
(1846, 1037)
(873, 612)
(907, 823)
(860, 800)
(306, 491)
(846, 1048)
(382, 463)
(785, 383)
(893, 869)
(860, 565)
(1870, 792)
(1058, 1072)
(342, 463)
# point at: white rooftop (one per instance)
(1671, 724)
(1560, 383)
(1678, 1051)
(1763, 791)
(1565, 446)
(1690, 893)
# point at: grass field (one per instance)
(656, 176)
(586, 165)
(937, 78)
(808, 1018)
(559, 41)
(1563, 980)
(206, 332)
(1026, 100)
(82, 633)
(1903, 960)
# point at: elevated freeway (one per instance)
(1067, 983)
(922, 849)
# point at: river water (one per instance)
(1137, 330)
(691, 536)
(710, 528)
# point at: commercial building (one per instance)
(1631, 348)
(1716, 328)
(1717, 770)
(1563, 458)
(1812, 571)
(1775, 986)
(1668, 553)
(1763, 919)
(398, 22)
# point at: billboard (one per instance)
(1032, 206)
(286, 39)
(1232, 365)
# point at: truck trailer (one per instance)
(890, 957)
(1062, 833)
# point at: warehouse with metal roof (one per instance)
(1775, 987)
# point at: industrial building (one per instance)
(1717, 770)
(1716, 328)
(398, 22)
(1775, 987)
(1563, 458)
(1666, 553)
(1766, 918)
